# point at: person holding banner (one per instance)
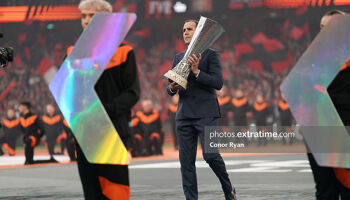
(118, 89)
(334, 183)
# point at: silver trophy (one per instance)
(206, 33)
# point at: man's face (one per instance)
(22, 109)
(259, 99)
(50, 109)
(147, 106)
(10, 113)
(325, 20)
(238, 94)
(188, 31)
(86, 16)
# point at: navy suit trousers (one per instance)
(188, 131)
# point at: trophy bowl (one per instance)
(207, 32)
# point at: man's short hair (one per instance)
(98, 5)
(10, 108)
(192, 20)
(26, 104)
(334, 12)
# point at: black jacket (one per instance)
(119, 89)
(52, 125)
(31, 126)
(339, 92)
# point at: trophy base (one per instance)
(176, 78)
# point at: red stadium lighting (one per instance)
(19, 13)
(298, 3)
(341, 2)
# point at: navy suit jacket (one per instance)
(199, 100)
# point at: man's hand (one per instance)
(174, 86)
(194, 61)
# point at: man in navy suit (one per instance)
(198, 107)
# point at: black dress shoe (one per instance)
(29, 162)
(52, 159)
(232, 195)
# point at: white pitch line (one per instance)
(260, 169)
(253, 165)
(19, 160)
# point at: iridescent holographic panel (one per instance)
(73, 88)
(305, 90)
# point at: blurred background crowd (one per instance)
(257, 51)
